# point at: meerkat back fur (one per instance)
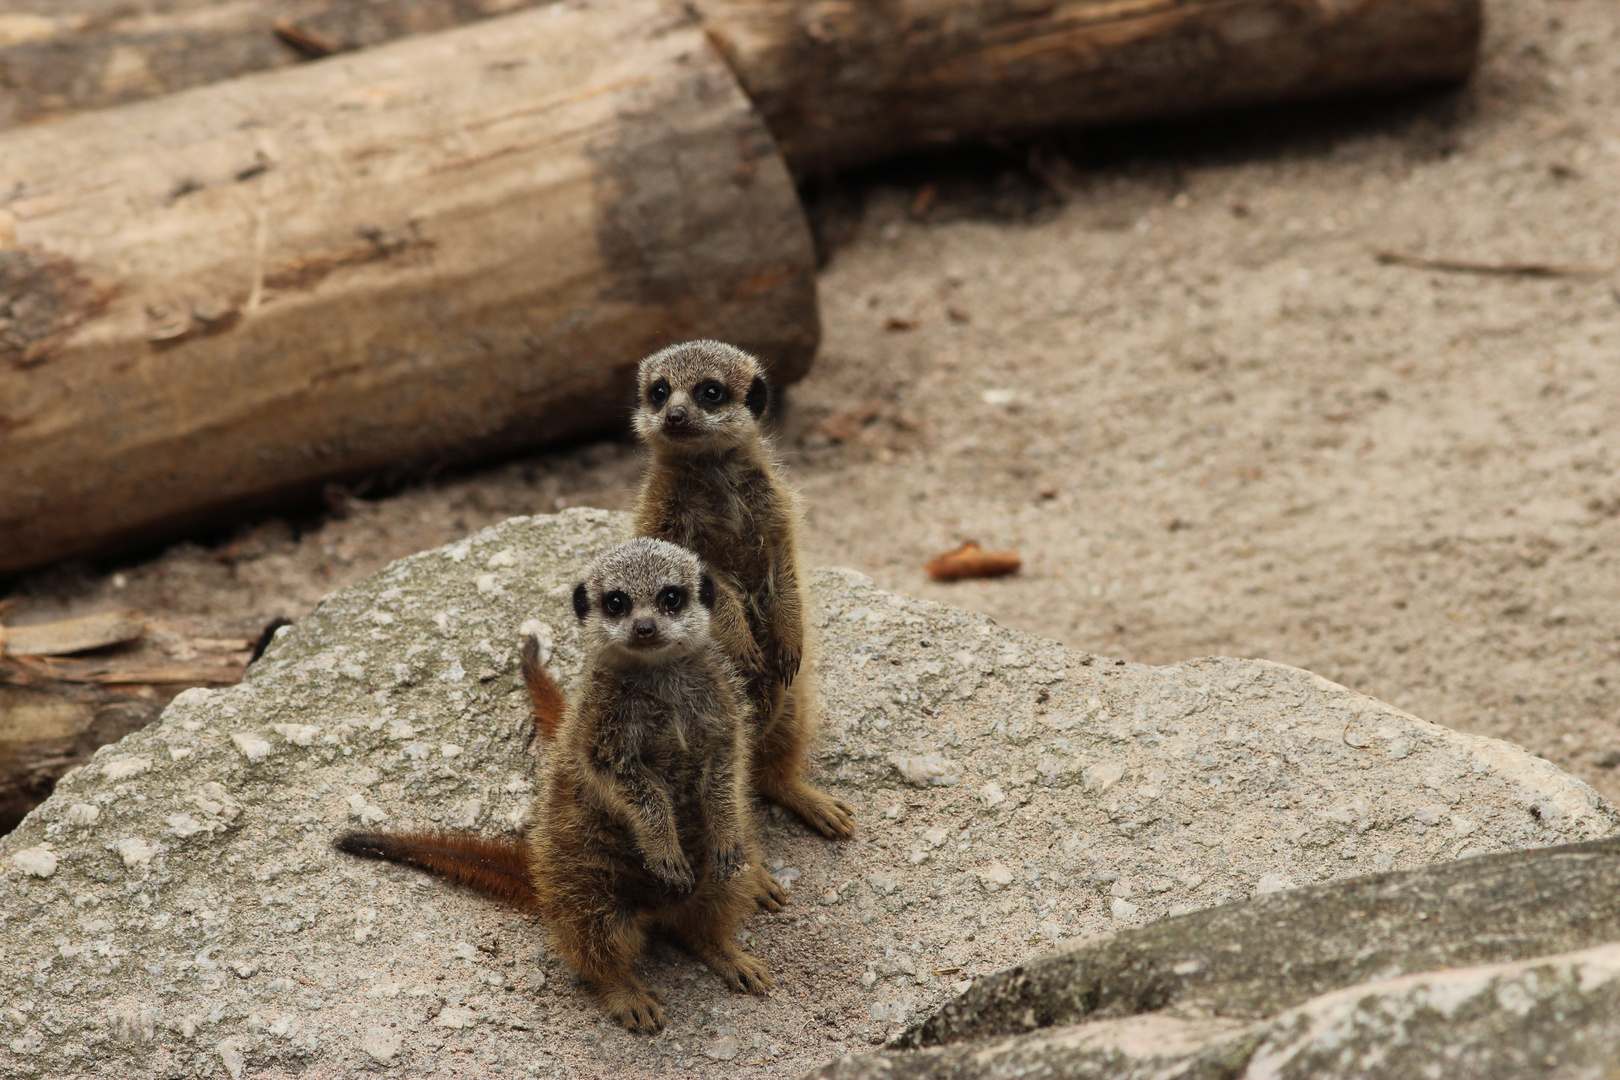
(714, 486)
(640, 825)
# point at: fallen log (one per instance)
(451, 246)
(840, 83)
(844, 84)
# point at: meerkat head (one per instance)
(701, 395)
(645, 600)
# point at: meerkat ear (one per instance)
(759, 396)
(582, 601)
(706, 592)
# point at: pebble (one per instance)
(38, 861)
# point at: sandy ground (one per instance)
(1168, 368)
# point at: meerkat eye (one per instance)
(658, 392)
(672, 599)
(710, 392)
(615, 604)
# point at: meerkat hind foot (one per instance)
(831, 817)
(769, 893)
(743, 973)
(635, 1007)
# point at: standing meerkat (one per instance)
(641, 823)
(714, 486)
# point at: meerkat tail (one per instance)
(498, 869)
(545, 699)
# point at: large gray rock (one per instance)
(1504, 965)
(174, 908)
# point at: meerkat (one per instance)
(714, 486)
(640, 824)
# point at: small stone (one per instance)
(1100, 778)
(124, 768)
(468, 813)
(455, 1018)
(246, 970)
(503, 557)
(184, 825)
(37, 861)
(485, 583)
(1270, 883)
(135, 851)
(297, 734)
(1120, 888)
(449, 749)
(724, 1048)
(231, 1054)
(995, 877)
(869, 979)
(991, 795)
(927, 770)
(82, 814)
(464, 950)
(381, 1043)
(1123, 910)
(881, 883)
(253, 747)
(179, 753)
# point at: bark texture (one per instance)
(840, 83)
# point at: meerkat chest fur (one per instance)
(729, 508)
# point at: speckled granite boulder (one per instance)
(174, 909)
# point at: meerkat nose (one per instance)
(645, 629)
(676, 417)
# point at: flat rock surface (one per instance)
(175, 909)
(1497, 966)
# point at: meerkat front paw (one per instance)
(674, 871)
(727, 861)
(787, 664)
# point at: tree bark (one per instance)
(840, 82)
(843, 83)
(454, 245)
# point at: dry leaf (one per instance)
(972, 561)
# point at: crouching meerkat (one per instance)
(714, 486)
(641, 823)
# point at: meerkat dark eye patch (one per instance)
(658, 393)
(616, 604)
(759, 396)
(706, 592)
(672, 599)
(711, 393)
(582, 601)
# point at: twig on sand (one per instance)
(1465, 266)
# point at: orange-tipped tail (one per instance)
(545, 698)
(498, 869)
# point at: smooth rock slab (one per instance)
(199, 923)
(1331, 982)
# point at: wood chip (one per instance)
(847, 425)
(312, 43)
(972, 561)
(896, 322)
(75, 635)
